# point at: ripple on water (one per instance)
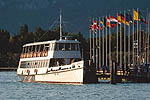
(11, 89)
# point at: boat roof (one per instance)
(53, 41)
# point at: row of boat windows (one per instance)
(36, 48)
(51, 47)
(34, 64)
(67, 47)
(45, 63)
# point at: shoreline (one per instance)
(8, 69)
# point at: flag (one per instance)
(135, 15)
(121, 18)
(141, 18)
(113, 21)
(108, 22)
(95, 24)
(91, 27)
(101, 24)
(99, 27)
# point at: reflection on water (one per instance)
(11, 89)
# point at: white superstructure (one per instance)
(57, 61)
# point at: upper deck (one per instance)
(51, 49)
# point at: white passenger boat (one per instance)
(57, 61)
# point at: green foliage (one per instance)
(11, 46)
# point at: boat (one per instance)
(56, 61)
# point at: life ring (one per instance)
(35, 71)
(28, 71)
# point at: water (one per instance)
(11, 89)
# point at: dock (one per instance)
(140, 75)
(8, 69)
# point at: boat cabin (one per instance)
(50, 53)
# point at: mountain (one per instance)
(76, 13)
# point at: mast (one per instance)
(60, 25)
(120, 45)
(117, 40)
(137, 40)
(124, 41)
(103, 45)
(109, 44)
(93, 45)
(96, 48)
(148, 38)
(133, 37)
(106, 41)
(90, 42)
(99, 45)
(129, 44)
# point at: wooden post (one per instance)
(112, 73)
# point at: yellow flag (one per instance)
(135, 15)
(127, 23)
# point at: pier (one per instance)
(120, 46)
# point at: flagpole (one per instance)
(133, 37)
(106, 40)
(137, 39)
(117, 40)
(129, 44)
(148, 39)
(99, 45)
(109, 44)
(96, 47)
(120, 46)
(124, 41)
(103, 44)
(93, 45)
(140, 43)
(90, 42)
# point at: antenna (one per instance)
(60, 25)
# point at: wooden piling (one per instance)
(112, 73)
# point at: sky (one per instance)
(76, 13)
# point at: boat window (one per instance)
(67, 47)
(33, 48)
(23, 65)
(62, 46)
(25, 49)
(42, 47)
(37, 48)
(72, 47)
(29, 49)
(78, 47)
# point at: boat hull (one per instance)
(70, 76)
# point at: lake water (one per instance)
(11, 89)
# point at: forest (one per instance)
(11, 45)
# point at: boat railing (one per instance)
(34, 54)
